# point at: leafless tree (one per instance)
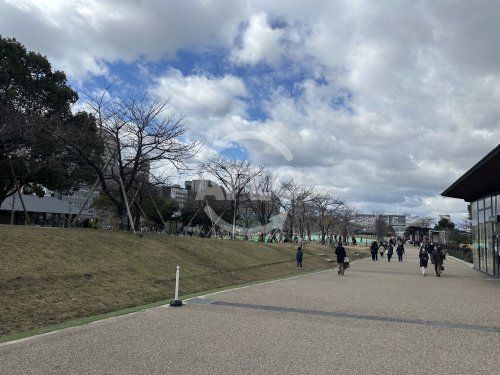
(466, 225)
(346, 217)
(327, 207)
(235, 176)
(140, 134)
(305, 218)
(380, 226)
(264, 200)
(296, 198)
(424, 222)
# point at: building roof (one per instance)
(482, 180)
(46, 204)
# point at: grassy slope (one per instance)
(52, 275)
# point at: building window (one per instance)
(474, 213)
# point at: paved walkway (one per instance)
(381, 318)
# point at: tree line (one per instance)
(113, 143)
(118, 145)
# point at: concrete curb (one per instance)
(470, 265)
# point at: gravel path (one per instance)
(381, 318)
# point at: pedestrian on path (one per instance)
(374, 250)
(390, 250)
(437, 256)
(341, 257)
(423, 255)
(298, 257)
(381, 250)
(400, 251)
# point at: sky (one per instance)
(382, 103)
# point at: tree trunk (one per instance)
(234, 219)
(290, 229)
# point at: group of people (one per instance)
(428, 250)
(436, 253)
(387, 247)
(340, 252)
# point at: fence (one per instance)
(460, 253)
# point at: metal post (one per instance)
(176, 302)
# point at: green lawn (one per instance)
(52, 275)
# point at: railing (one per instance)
(460, 253)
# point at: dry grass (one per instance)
(52, 275)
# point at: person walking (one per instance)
(374, 250)
(400, 251)
(423, 255)
(341, 257)
(298, 257)
(390, 251)
(437, 256)
(381, 250)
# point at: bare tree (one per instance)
(346, 217)
(326, 207)
(235, 176)
(139, 136)
(424, 222)
(466, 225)
(265, 198)
(380, 226)
(305, 218)
(296, 196)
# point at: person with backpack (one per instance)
(400, 251)
(341, 258)
(423, 255)
(390, 251)
(298, 257)
(374, 250)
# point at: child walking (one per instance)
(298, 257)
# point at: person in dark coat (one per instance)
(423, 255)
(390, 251)
(298, 257)
(341, 254)
(374, 250)
(400, 251)
(437, 256)
(429, 245)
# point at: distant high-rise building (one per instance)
(176, 193)
(398, 222)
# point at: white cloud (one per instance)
(260, 42)
(80, 37)
(419, 82)
(202, 96)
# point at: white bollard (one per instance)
(177, 283)
(176, 302)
